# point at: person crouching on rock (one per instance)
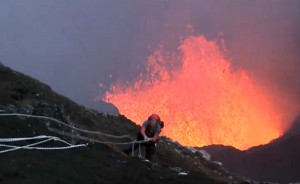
(149, 132)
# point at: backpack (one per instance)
(162, 124)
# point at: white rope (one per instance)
(134, 144)
(22, 139)
(60, 122)
(132, 149)
(26, 146)
(30, 146)
(41, 148)
(140, 153)
(102, 142)
(91, 139)
(65, 134)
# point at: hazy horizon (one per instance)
(75, 45)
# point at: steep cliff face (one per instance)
(30, 109)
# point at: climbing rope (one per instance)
(65, 134)
(32, 146)
(102, 142)
(65, 124)
(91, 139)
(22, 139)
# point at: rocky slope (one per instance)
(95, 162)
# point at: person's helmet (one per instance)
(157, 118)
(154, 116)
(162, 124)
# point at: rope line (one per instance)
(26, 146)
(92, 139)
(70, 126)
(22, 139)
(31, 146)
(140, 152)
(102, 142)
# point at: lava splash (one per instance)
(201, 98)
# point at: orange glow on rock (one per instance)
(202, 100)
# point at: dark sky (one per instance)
(72, 45)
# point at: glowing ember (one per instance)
(202, 100)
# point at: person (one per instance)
(149, 132)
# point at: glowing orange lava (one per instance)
(202, 100)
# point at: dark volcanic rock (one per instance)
(97, 162)
(277, 161)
